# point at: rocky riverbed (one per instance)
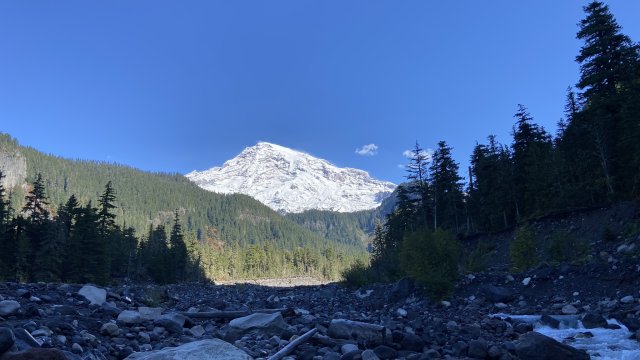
(383, 321)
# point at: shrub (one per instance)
(566, 248)
(431, 258)
(523, 250)
(358, 274)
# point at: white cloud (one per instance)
(428, 153)
(402, 166)
(367, 150)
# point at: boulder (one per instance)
(130, 317)
(569, 310)
(150, 313)
(364, 333)
(95, 295)
(110, 329)
(535, 346)
(9, 307)
(211, 349)
(497, 294)
(259, 321)
(592, 320)
(550, 321)
(7, 339)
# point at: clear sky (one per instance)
(181, 85)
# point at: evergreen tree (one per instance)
(67, 216)
(7, 248)
(532, 165)
(42, 241)
(492, 195)
(178, 250)
(418, 187)
(599, 134)
(378, 242)
(448, 196)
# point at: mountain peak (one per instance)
(292, 181)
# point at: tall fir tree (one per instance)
(532, 165)
(178, 251)
(448, 197)
(419, 187)
(7, 246)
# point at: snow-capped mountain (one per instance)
(291, 181)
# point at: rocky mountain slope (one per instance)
(292, 181)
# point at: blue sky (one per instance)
(183, 85)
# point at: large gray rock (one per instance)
(130, 317)
(212, 349)
(535, 346)
(259, 321)
(9, 307)
(150, 313)
(365, 334)
(95, 295)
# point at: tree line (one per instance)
(82, 243)
(593, 159)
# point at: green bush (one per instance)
(358, 274)
(477, 259)
(523, 250)
(566, 248)
(431, 258)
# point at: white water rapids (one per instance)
(606, 344)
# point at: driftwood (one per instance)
(227, 314)
(292, 345)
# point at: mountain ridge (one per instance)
(292, 181)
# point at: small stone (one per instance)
(110, 329)
(347, 348)
(76, 348)
(526, 281)
(627, 299)
(384, 352)
(369, 355)
(500, 305)
(401, 312)
(197, 331)
(445, 303)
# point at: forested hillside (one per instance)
(592, 160)
(353, 228)
(236, 235)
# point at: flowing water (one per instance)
(605, 344)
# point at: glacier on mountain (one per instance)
(291, 181)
